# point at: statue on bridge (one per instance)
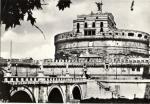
(8, 65)
(41, 71)
(8, 69)
(85, 74)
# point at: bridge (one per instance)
(43, 89)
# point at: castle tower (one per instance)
(97, 34)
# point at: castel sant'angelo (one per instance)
(112, 62)
(96, 39)
(98, 48)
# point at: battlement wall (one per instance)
(81, 63)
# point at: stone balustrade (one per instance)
(15, 80)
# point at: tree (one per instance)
(13, 11)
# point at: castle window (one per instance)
(96, 17)
(89, 32)
(138, 69)
(145, 37)
(139, 35)
(107, 67)
(85, 25)
(19, 79)
(78, 31)
(116, 33)
(93, 32)
(101, 30)
(93, 24)
(130, 34)
(85, 32)
(8, 79)
(110, 33)
(133, 69)
(78, 27)
(123, 34)
(101, 24)
(101, 27)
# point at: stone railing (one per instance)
(16, 80)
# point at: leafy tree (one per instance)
(13, 11)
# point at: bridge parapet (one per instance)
(15, 80)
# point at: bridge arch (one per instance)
(22, 94)
(56, 95)
(77, 92)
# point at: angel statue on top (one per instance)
(99, 5)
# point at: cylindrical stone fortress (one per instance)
(96, 36)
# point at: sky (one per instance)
(27, 41)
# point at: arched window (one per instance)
(93, 24)
(130, 34)
(139, 35)
(85, 25)
(145, 37)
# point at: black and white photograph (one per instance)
(75, 51)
